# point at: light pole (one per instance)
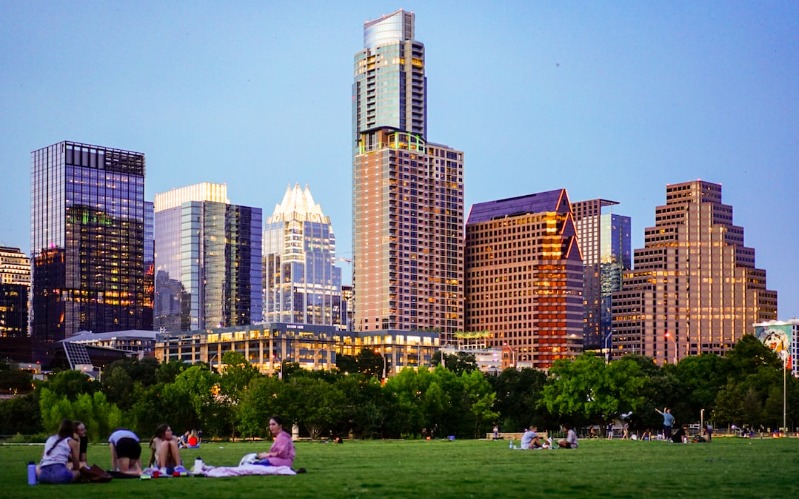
(673, 342)
(784, 354)
(608, 337)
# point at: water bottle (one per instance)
(31, 473)
(511, 444)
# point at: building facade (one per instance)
(604, 239)
(15, 281)
(694, 288)
(207, 260)
(524, 278)
(87, 241)
(315, 347)
(301, 282)
(407, 193)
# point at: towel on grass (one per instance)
(248, 469)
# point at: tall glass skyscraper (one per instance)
(87, 241)
(207, 260)
(604, 239)
(407, 195)
(301, 282)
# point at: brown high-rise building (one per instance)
(407, 195)
(695, 288)
(524, 278)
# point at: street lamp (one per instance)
(784, 354)
(608, 337)
(674, 342)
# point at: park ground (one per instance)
(727, 467)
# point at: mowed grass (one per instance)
(727, 467)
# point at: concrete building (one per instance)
(208, 270)
(694, 288)
(604, 239)
(87, 242)
(301, 282)
(524, 278)
(407, 196)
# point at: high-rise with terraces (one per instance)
(407, 195)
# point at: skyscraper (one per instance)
(207, 260)
(695, 288)
(301, 282)
(524, 278)
(15, 281)
(407, 192)
(604, 240)
(87, 241)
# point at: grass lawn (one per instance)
(727, 467)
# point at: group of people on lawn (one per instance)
(531, 440)
(64, 458)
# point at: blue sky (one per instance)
(607, 99)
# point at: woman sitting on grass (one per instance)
(570, 442)
(164, 450)
(59, 450)
(282, 451)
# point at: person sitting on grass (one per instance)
(164, 450)
(125, 452)
(680, 436)
(60, 449)
(530, 439)
(83, 442)
(570, 442)
(282, 451)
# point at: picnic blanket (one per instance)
(247, 469)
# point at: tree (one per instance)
(70, 384)
(518, 396)
(586, 390)
(263, 398)
(313, 403)
(458, 362)
(370, 363)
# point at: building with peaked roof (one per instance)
(694, 288)
(301, 282)
(604, 239)
(87, 242)
(524, 278)
(207, 260)
(407, 197)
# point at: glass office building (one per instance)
(301, 282)
(604, 240)
(207, 260)
(87, 241)
(407, 196)
(15, 281)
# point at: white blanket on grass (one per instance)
(248, 469)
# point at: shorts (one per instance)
(55, 473)
(128, 448)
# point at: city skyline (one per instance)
(608, 101)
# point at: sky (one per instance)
(610, 100)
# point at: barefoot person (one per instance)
(164, 450)
(125, 452)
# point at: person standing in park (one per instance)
(668, 422)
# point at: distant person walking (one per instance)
(668, 422)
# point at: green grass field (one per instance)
(728, 467)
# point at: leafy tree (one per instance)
(169, 371)
(480, 399)
(13, 380)
(347, 364)
(20, 414)
(313, 403)
(118, 386)
(365, 409)
(70, 384)
(518, 396)
(458, 362)
(586, 390)
(370, 363)
(263, 398)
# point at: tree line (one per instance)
(452, 397)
